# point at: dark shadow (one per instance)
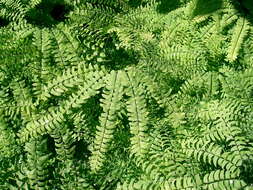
(85, 153)
(3, 22)
(135, 3)
(51, 145)
(245, 7)
(165, 6)
(59, 12)
(118, 58)
(48, 13)
(247, 170)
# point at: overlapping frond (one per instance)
(53, 118)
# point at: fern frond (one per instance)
(55, 116)
(221, 179)
(71, 179)
(63, 52)
(145, 22)
(185, 59)
(240, 32)
(218, 179)
(171, 107)
(111, 105)
(35, 174)
(93, 14)
(229, 19)
(64, 143)
(23, 98)
(13, 10)
(138, 185)
(43, 43)
(70, 78)
(34, 3)
(209, 153)
(8, 146)
(7, 104)
(137, 113)
(153, 89)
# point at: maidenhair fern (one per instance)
(123, 94)
(104, 132)
(237, 38)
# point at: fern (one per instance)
(55, 116)
(237, 39)
(35, 174)
(104, 133)
(137, 114)
(65, 137)
(123, 94)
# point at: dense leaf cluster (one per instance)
(126, 94)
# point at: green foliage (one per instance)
(123, 94)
